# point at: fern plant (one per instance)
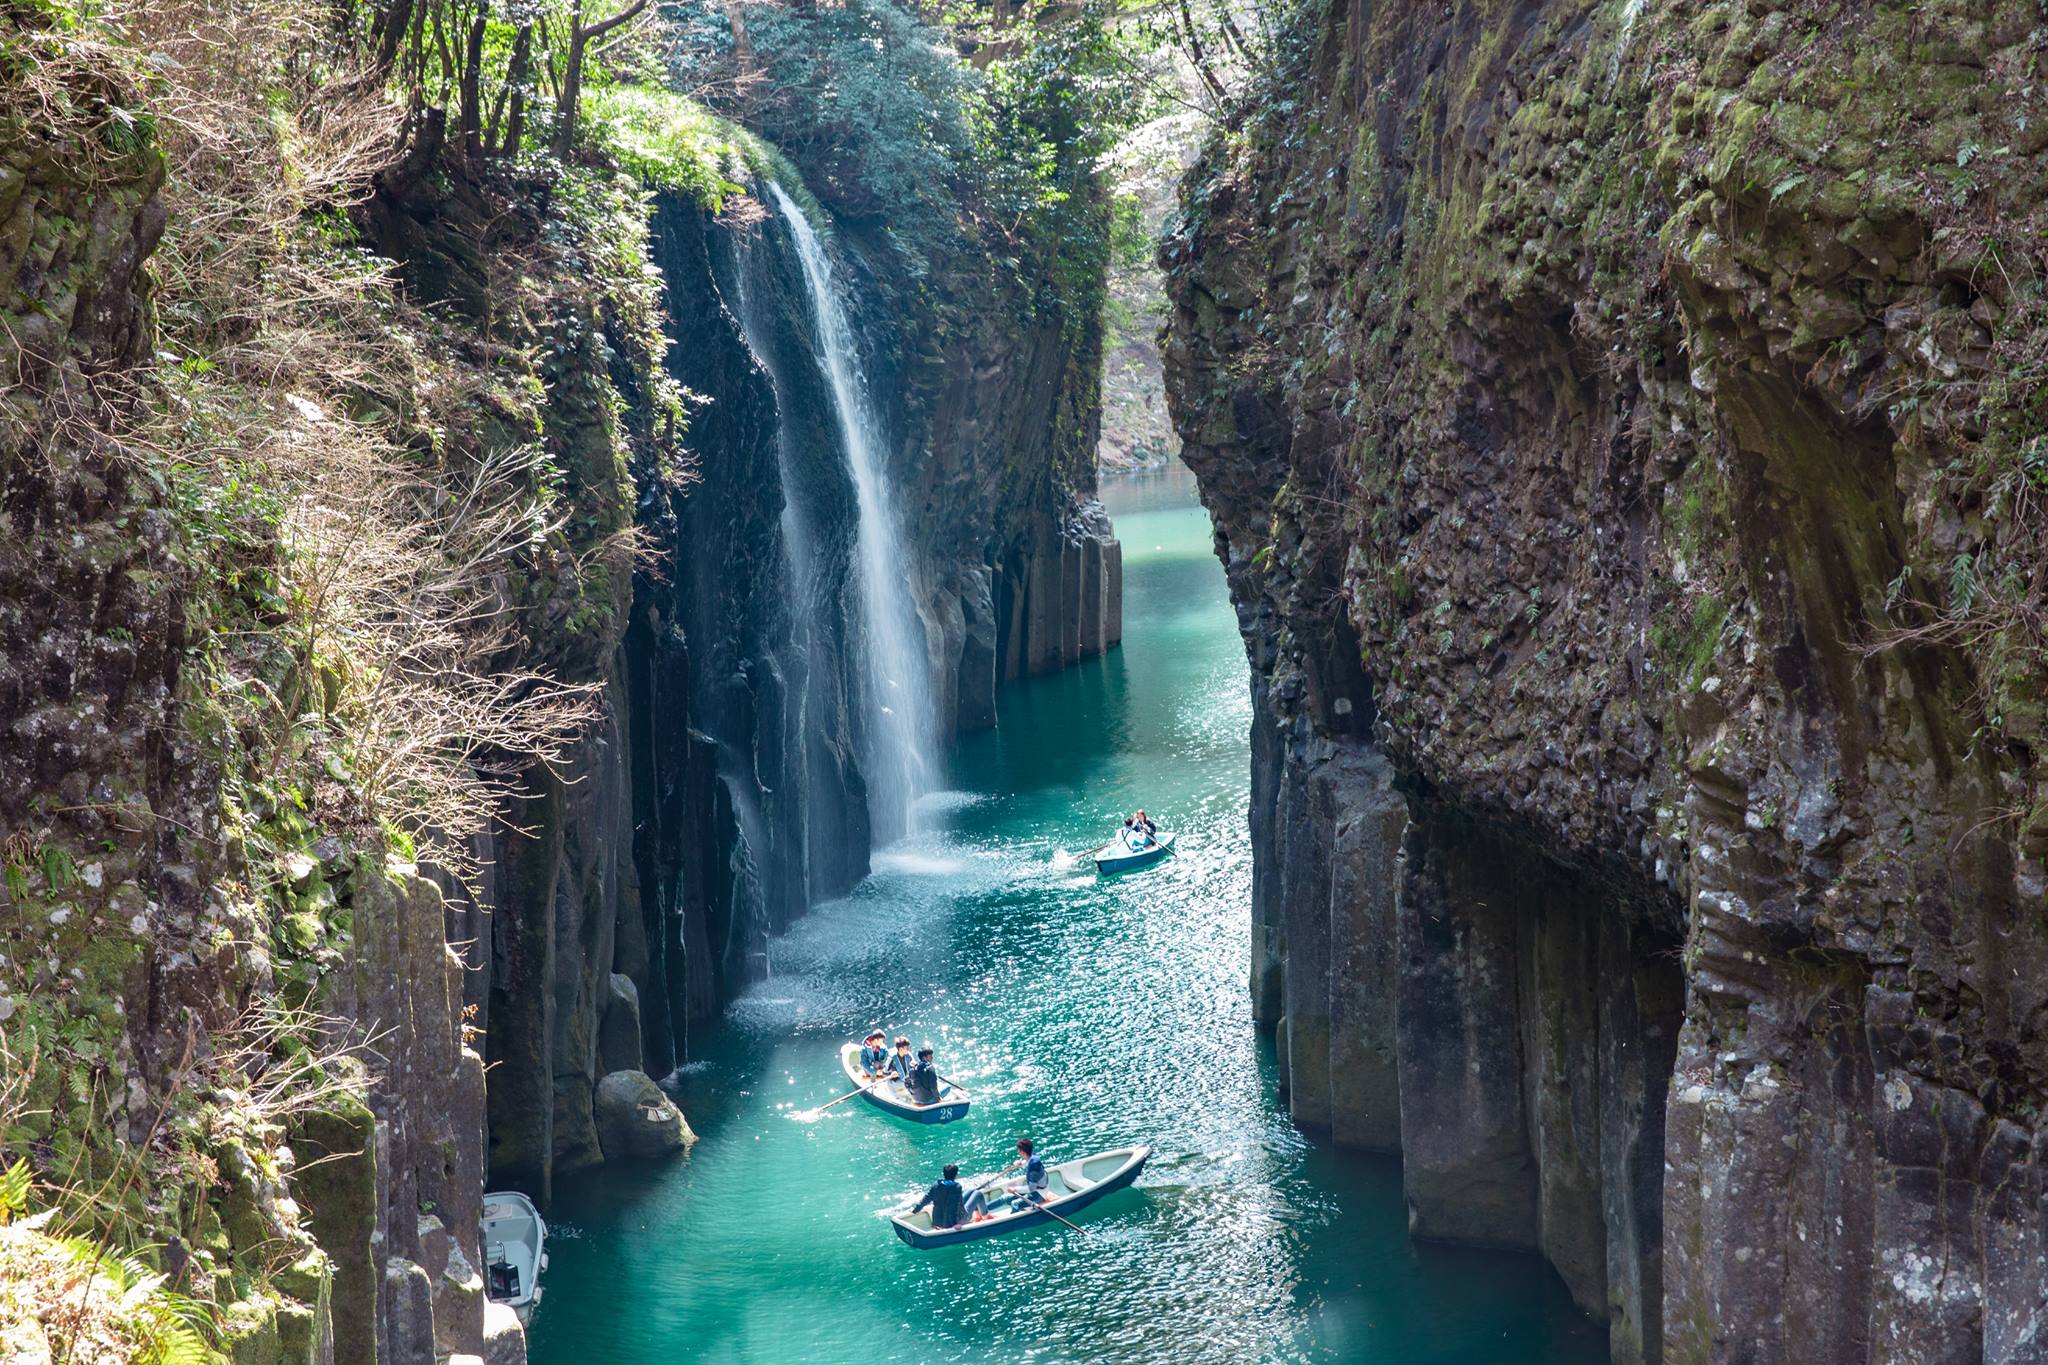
(164, 1326)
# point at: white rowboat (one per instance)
(515, 1240)
(891, 1098)
(1070, 1186)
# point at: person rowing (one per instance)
(897, 1067)
(1139, 831)
(1035, 1183)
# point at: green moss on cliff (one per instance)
(307, 533)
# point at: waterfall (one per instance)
(899, 763)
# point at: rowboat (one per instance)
(1071, 1186)
(515, 1251)
(1118, 856)
(891, 1098)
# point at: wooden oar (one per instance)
(847, 1096)
(1050, 1214)
(994, 1178)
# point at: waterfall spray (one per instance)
(900, 741)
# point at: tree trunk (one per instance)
(1233, 35)
(472, 119)
(390, 31)
(513, 90)
(1200, 58)
(580, 38)
(572, 82)
(742, 46)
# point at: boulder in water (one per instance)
(635, 1119)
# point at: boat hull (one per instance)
(1112, 858)
(891, 1098)
(1066, 1206)
(514, 1240)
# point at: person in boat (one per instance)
(898, 1066)
(951, 1206)
(923, 1080)
(873, 1054)
(1036, 1183)
(1139, 831)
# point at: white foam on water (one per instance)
(941, 801)
(917, 862)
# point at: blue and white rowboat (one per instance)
(1118, 856)
(891, 1098)
(1071, 1186)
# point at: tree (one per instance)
(581, 35)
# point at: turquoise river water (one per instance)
(1084, 1013)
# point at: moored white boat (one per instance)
(1118, 856)
(515, 1240)
(890, 1096)
(1071, 1186)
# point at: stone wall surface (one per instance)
(1620, 425)
(147, 937)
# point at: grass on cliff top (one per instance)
(670, 142)
(667, 141)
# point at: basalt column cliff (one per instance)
(1624, 431)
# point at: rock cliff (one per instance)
(182, 937)
(1623, 431)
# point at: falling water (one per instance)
(900, 737)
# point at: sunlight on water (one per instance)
(1085, 1012)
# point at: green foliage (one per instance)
(14, 1187)
(1687, 647)
(890, 126)
(667, 141)
(863, 98)
(166, 1325)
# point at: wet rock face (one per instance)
(999, 418)
(1602, 411)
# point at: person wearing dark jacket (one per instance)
(951, 1206)
(923, 1080)
(898, 1065)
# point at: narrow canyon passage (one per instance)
(1082, 1013)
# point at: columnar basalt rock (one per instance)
(1619, 408)
(157, 949)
